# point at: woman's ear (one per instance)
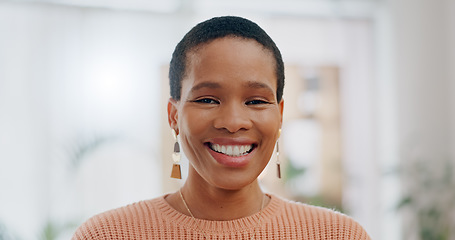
(281, 106)
(172, 114)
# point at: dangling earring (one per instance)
(278, 167)
(176, 172)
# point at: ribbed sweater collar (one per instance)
(208, 226)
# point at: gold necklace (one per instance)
(195, 220)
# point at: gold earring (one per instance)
(278, 163)
(176, 172)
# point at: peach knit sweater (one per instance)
(280, 219)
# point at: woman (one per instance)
(226, 77)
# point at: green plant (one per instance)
(86, 146)
(5, 234)
(291, 173)
(77, 154)
(52, 229)
(429, 197)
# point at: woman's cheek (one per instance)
(195, 122)
(269, 119)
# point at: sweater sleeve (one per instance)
(329, 224)
(347, 228)
(121, 223)
(93, 229)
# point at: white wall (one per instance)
(24, 121)
(423, 58)
(451, 50)
(385, 136)
(423, 66)
(67, 74)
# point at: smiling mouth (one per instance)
(232, 150)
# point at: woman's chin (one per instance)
(232, 182)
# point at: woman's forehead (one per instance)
(226, 42)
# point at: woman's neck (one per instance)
(205, 201)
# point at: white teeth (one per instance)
(229, 150)
(236, 151)
(233, 151)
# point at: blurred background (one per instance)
(369, 117)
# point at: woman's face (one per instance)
(228, 116)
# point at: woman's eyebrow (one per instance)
(253, 84)
(211, 85)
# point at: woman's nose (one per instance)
(233, 117)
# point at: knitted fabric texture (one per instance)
(280, 219)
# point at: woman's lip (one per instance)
(229, 161)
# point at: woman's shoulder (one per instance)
(320, 220)
(131, 218)
(311, 212)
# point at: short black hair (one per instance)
(219, 27)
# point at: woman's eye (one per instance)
(206, 100)
(255, 102)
